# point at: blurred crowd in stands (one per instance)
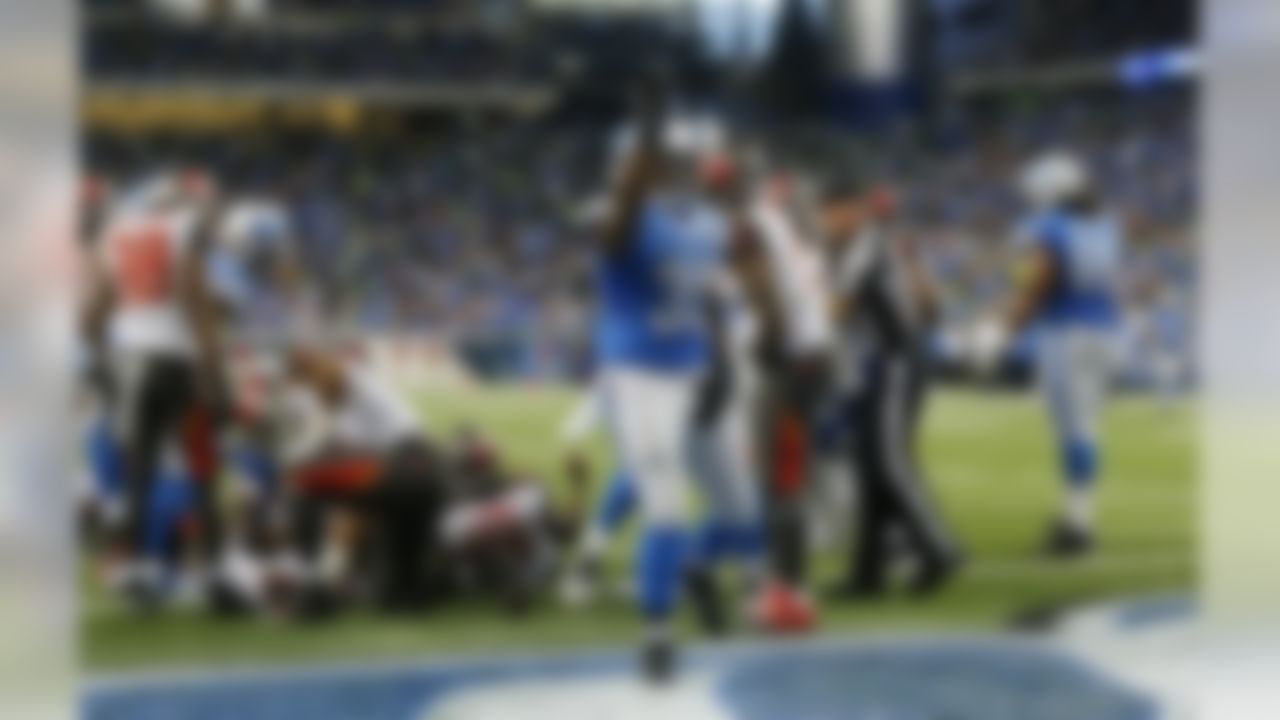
(436, 42)
(473, 233)
(307, 52)
(469, 230)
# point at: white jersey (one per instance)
(798, 278)
(371, 417)
(143, 252)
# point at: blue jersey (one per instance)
(653, 290)
(1087, 252)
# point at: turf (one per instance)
(993, 470)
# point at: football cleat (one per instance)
(933, 576)
(580, 585)
(1067, 541)
(783, 610)
(707, 602)
(658, 661)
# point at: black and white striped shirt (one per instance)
(873, 280)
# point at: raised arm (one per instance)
(639, 169)
(98, 303)
(851, 273)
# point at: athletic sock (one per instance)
(661, 568)
(1079, 506)
(1081, 461)
(618, 503)
(594, 544)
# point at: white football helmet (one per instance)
(1053, 177)
(682, 136)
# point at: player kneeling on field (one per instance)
(367, 488)
(381, 509)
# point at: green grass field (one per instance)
(992, 465)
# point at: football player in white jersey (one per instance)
(355, 461)
(151, 314)
(779, 270)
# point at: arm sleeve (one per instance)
(855, 265)
(798, 280)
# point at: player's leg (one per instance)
(1072, 375)
(106, 462)
(198, 436)
(830, 499)
(724, 464)
(251, 528)
(325, 523)
(229, 579)
(160, 392)
(143, 415)
(314, 595)
(783, 450)
(169, 522)
(167, 511)
(787, 472)
(405, 506)
(616, 505)
(728, 520)
(711, 463)
(649, 414)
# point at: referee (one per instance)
(884, 306)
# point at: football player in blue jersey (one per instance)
(660, 244)
(1074, 247)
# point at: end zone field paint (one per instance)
(921, 678)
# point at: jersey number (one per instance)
(144, 259)
(1094, 258)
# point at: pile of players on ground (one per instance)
(244, 458)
